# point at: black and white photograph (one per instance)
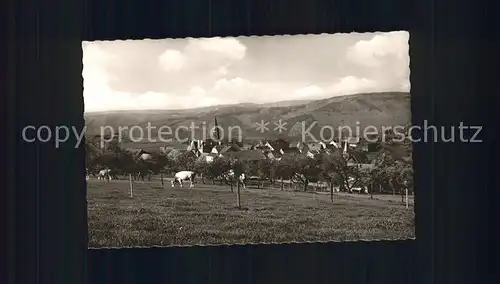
(248, 140)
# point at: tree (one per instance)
(117, 160)
(218, 168)
(157, 163)
(306, 169)
(238, 168)
(105, 160)
(163, 163)
(395, 163)
(126, 163)
(264, 170)
(339, 171)
(369, 178)
(399, 149)
(282, 169)
(143, 167)
(329, 171)
(287, 167)
(407, 175)
(401, 174)
(113, 146)
(92, 151)
(185, 162)
(204, 169)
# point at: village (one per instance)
(351, 164)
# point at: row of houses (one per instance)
(208, 150)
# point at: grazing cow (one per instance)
(105, 174)
(184, 176)
(241, 178)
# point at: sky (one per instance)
(189, 73)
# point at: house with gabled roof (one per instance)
(296, 144)
(334, 145)
(313, 153)
(290, 150)
(195, 145)
(207, 157)
(316, 146)
(217, 149)
(362, 159)
(303, 148)
(206, 146)
(260, 145)
(278, 144)
(272, 155)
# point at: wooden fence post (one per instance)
(131, 185)
(406, 193)
(238, 201)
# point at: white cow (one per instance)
(241, 178)
(105, 174)
(184, 176)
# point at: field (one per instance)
(207, 214)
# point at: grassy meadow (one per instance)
(207, 214)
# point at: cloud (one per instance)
(385, 57)
(110, 76)
(212, 58)
(374, 52)
(230, 48)
(231, 84)
(187, 73)
(171, 60)
(215, 53)
(221, 71)
(309, 91)
(96, 91)
(197, 91)
(352, 85)
(235, 90)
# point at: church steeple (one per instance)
(216, 132)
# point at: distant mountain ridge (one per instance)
(150, 111)
(377, 109)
